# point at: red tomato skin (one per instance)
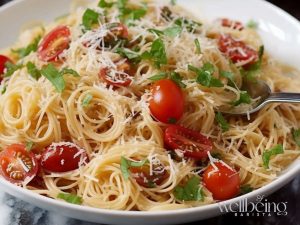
(61, 158)
(236, 25)
(7, 155)
(175, 135)
(167, 101)
(103, 75)
(229, 46)
(46, 52)
(3, 59)
(223, 184)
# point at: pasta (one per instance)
(95, 98)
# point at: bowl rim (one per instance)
(287, 175)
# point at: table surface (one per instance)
(17, 212)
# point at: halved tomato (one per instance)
(146, 179)
(192, 143)
(117, 77)
(221, 181)
(54, 43)
(167, 101)
(3, 61)
(236, 50)
(63, 157)
(236, 25)
(17, 164)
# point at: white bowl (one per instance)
(281, 36)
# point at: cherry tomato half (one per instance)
(236, 25)
(223, 182)
(144, 178)
(3, 60)
(192, 143)
(167, 101)
(237, 51)
(17, 164)
(62, 157)
(119, 77)
(54, 43)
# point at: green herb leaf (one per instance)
(33, 71)
(3, 89)
(87, 99)
(159, 76)
(157, 53)
(89, 18)
(296, 136)
(177, 79)
(172, 120)
(191, 191)
(74, 199)
(190, 25)
(245, 189)
(252, 24)
(229, 76)
(172, 31)
(205, 75)
(29, 145)
(104, 4)
(173, 2)
(126, 164)
(278, 149)
(254, 68)
(11, 68)
(222, 122)
(244, 99)
(155, 31)
(216, 155)
(54, 76)
(136, 14)
(22, 52)
(128, 53)
(198, 47)
(69, 71)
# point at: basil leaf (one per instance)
(190, 25)
(177, 79)
(3, 89)
(229, 76)
(157, 53)
(69, 71)
(278, 149)
(172, 31)
(252, 24)
(74, 199)
(136, 14)
(104, 4)
(33, 71)
(191, 191)
(198, 47)
(205, 75)
(29, 145)
(11, 68)
(87, 99)
(127, 53)
(222, 122)
(244, 99)
(126, 164)
(296, 136)
(54, 76)
(89, 18)
(159, 76)
(245, 189)
(22, 52)
(155, 31)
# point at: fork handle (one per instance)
(284, 97)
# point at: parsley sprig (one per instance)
(278, 149)
(224, 125)
(126, 164)
(32, 47)
(172, 75)
(73, 199)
